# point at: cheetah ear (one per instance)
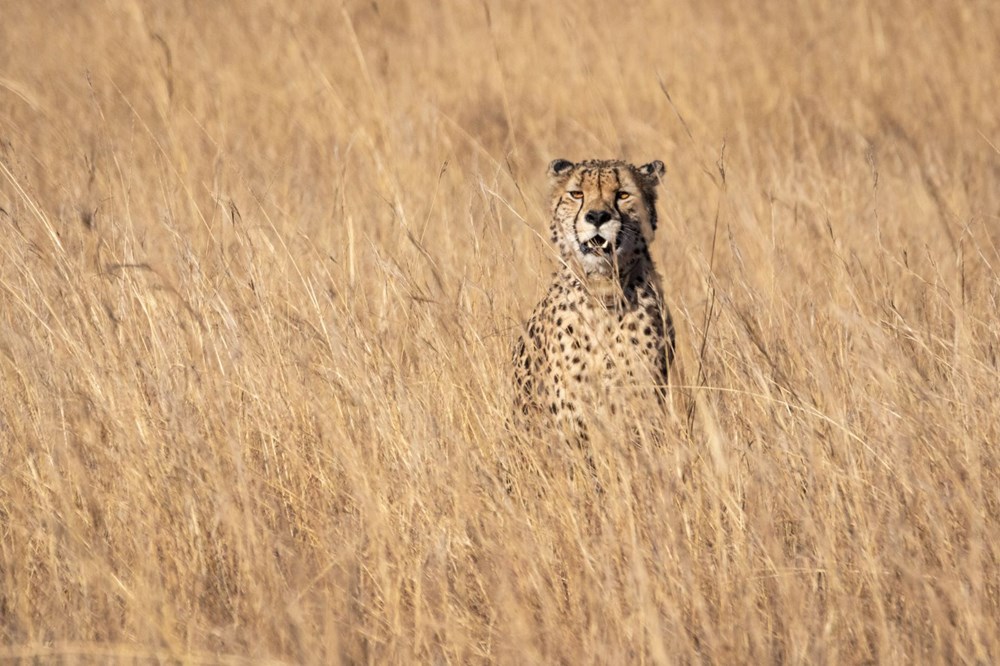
(654, 171)
(559, 168)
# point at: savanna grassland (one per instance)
(262, 266)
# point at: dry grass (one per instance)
(262, 266)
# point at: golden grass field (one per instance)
(262, 266)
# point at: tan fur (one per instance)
(602, 339)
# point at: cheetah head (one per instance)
(604, 213)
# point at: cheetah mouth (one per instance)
(600, 245)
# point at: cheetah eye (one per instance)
(622, 196)
(576, 194)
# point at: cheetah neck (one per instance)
(614, 290)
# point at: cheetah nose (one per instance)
(597, 217)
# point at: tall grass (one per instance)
(262, 265)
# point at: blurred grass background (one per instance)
(262, 267)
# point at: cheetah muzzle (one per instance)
(598, 244)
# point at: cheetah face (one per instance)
(604, 212)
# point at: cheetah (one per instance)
(601, 341)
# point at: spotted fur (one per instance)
(601, 341)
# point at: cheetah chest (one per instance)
(600, 357)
